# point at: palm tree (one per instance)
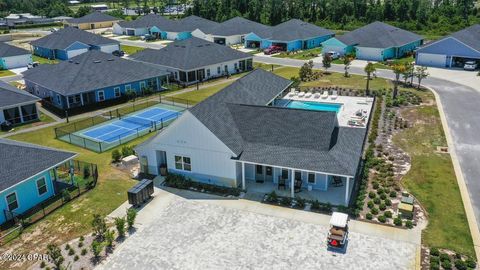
(347, 60)
(398, 69)
(369, 69)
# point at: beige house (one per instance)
(93, 20)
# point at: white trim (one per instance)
(115, 91)
(430, 44)
(16, 199)
(98, 95)
(129, 87)
(19, 105)
(182, 162)
(46, 186)
(296, 169)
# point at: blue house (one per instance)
(452, 50)
(92, 78)
(70, 42)
(28, 176)
(291, 35)
(377, 41)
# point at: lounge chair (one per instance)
(324, 94)
(292, 93)
(308, 94)
(356, 123)
(316, 95)
(301, 94)
(334, 95)
(337, 182)
(282, 182)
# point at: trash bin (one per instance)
(140, 193)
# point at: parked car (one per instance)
(148, 37)
(118, 53)
(333, 55)
(273, 49)
(470, 65)
(32, 65)
(53, 29)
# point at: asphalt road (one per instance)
(150, 45)
(461, 105)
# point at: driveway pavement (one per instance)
(203, 233)
(459, 93)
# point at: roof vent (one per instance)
(199, 46)
(77, 63)
(97, 61)
(110, 59)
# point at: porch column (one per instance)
(72, 171)
(21, 114)
(158, 84)
(347, 193)
(68, 102)
(243, 176)
(81, 98)
(292, 183)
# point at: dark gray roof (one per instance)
(10, 95)
(294, 138)
(90, 71)
(187, 24)
(189, 54)
(193, 22)
(292, 30)
(237, 26)
(94, 17)
(379, 35)
(7, 50)
(19, 161)
(470, 36)
(65, 37)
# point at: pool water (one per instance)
(314, 106)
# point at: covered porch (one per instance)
(259, 179)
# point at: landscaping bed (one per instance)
(182, 182)
(447, 260)
(302, 204)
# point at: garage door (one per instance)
(431, 60)
(17, 61)
(74, 53)
(371, 54)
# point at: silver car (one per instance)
(470, 65)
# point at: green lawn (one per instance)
(42, 60)
(6, 72)
(132, 38)
(44, 119)
(301, 55)
(131, 49)
(196, 96)
(432, 180)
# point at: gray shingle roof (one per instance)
(7, 50)
(93, 18)
(190, 54)
(193, 22)
(65, 37)
(293, 138)
(469, 36)
(90, 71)
(379, 35)
(10, 95)
(19, 161)
(293, 30)
(187, 24)
(237, 26)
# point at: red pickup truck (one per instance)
(273, 49)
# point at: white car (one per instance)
(470, 65)
(333, 55)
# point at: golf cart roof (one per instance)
(339, 220)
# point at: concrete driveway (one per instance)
(211, 233)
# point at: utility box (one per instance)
(140, 193)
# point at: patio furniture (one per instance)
(317, 95)
(406, 210)
(334, 95)
(337, 182)
(408, 200)
(282, 182)
(292, 93)
(356, 123)
(324, 94)
(297, 185)
(308, 94)
(301, 94)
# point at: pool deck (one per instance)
(350, 105)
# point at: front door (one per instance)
(268, 173)
(259, 175)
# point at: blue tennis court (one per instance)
(131, 125)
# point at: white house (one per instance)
(194, 59)
(237, 138)
(13, 57)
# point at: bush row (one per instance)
(182, 182)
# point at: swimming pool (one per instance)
(314, 106)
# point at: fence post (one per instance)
(74, 126)
(100, 146)
(84, 143)
(70, 137)
(66, 115)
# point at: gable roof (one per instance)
(469, 36)
(19, 161)
(94, 17)
(7, 50)
(193, 22)
(190, 54)
(186, 24)
(147, 21)
(11, 96)
(90, 71)
(65, 37)
(378, 35)
(293, 29)
(237, 26)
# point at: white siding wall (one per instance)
(110, 48)
(372, 54)
(73, 53)
(117, 29)
(199, 34)
(17, 61)
(172, 35)
(210, 158)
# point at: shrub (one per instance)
(444, 257)
(383, 196)
(80, 244)
(397, 221)
(369, 216)
(382, 206)
(42, 264)
(67, 247)
(409, 224)
(388, 214)
(375, 185)
(461, 265)
(447, 265)
(96, 248)
(388, 202)
(380, 191)
(55, 255)
(370, 204)
(471, 263)
(372, 195)
(99, 225)
(300, 203)
(393, 194)
(109, 237)
(86, 172)
(71, 252)
(127, 151)
(434, 266)
(131, 215)
(382, 219)
(81, 238)
(374, 211)
(377, 200)
(76, 258)
(434, 251)
(120, 226)
(434, 259)
(83, 252)
(116, 156)
(66, 195)
(286, 201)
(273, 198)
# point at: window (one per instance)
(208, 72)
(183, 163)
(298, 175)
(74, 99)
(235, 65)
(116, 91)
(101, 95)
(128, 87)
(311, 178)
(284, 173)
(41, 186)
(219, 70)
(12, 201)
(226, 68)
(142, 85)
(58, 99)
(259, 169)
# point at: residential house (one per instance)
(230, 32)
(452, 50)
(70, 42)
(28, 176)
(291, 35)
(377, 41)
(194, 59)
(93, 20)
(17, 106)
(237, 138)
(91, 78)
(13, 57)
(162, 27)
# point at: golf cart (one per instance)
(338, 234)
